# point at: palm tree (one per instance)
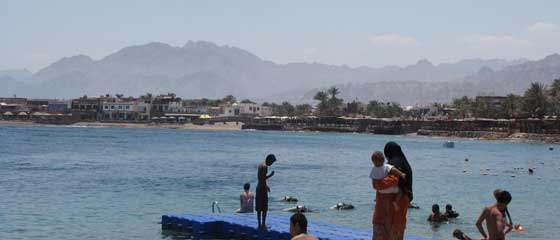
(554, 89)
(322, 97)
(334, 102)
(375, 109)
(554, 95)
(394, 109)
(229, 99)
(333, 91)
(303, 110)
(247, 101)
(511, 106)
(535, 100)
(463, 106)
(288, 109)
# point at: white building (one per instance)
(246, 109)
(121, 110)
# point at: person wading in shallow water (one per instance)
(246, 200)
(397, 220)
(261, 198)
(494, 217)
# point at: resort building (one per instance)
(14, 100)
(38, 105)
(56, 106)
(120, 109)
(215, 111)
(168, 103)
(246, 109)
(196, 109)
(85, 108)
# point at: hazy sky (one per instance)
(372, 33)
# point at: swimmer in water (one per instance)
(298, 208)
(246, 200)
(288, 199)
(436, 215)
(343, 206)
(460, 235)
(449, 212)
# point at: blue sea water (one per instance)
(115, 183)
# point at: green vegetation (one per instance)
(384, 110)
(537, 101)
(329, 104)
(554, 97)
(284, 109)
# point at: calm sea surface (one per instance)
(113, 183)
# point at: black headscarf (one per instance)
(396, 157)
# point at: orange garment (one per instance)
(384, 212)
(399, 217)
(383, 209)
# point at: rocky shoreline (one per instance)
(486, 135)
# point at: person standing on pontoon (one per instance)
(261, 199)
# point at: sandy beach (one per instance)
(215, 126)
(516, 137)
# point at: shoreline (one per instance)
(495, 136)
(232, 126)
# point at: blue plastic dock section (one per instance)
(243, 226)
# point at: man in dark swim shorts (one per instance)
(261, 197)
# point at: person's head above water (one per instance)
(448, 208)
(392, 149)
(298, 224)
(503, 199)
(246, 186)
(458, 234)
(270, 159)
(435, 209)
(377, 158)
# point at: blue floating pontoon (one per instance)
(243, 226)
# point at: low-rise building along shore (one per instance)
(169, 109)
(165, 108)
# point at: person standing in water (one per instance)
(262, 190)
(494, 217)
(396, 157)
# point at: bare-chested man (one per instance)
(494, 217)
(262, 190)
(298, 228)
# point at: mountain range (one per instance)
(204, 69)
(486, 81)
